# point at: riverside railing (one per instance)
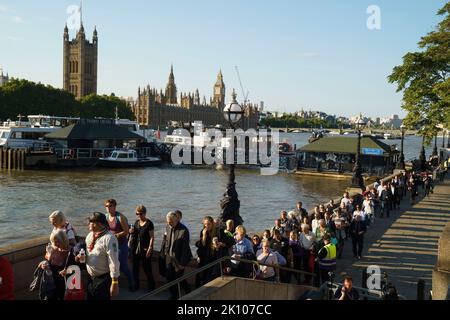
(93, 153)
(178, 281)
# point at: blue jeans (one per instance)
(123, 259)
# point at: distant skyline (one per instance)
(291, 54)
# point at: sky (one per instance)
(291, 54)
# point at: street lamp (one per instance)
(422, 157)
(401, 162)
(357, 179)
(435, 152)
(230, 203)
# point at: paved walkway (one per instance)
(404, 245)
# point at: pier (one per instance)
(12, 159)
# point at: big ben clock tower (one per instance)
(219, 92)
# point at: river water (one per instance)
(28, 197)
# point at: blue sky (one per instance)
(291, 54)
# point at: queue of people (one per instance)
(307, 242)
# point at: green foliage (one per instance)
(28, 98)
(424, 79)
(105, 107)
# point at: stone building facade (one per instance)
(80, 63)
(3, 78)
(154, 108)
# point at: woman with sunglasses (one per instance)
(256, 241)
(141, 246)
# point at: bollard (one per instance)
(14, 158)
(21, 161)
(1, 158)
(9, 159)
(364, 279)
(421, 290)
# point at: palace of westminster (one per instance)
(152, 108)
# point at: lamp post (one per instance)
(435, 152)
(401, 162)
(357, 179)
(422, 158)
(230, 203)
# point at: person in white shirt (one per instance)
(359, 212)
(266, 256)
(102, 259)
(315, 223)
(368, 209)
(380, 188)
(345, 199)
(306, 239)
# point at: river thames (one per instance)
(28, 197)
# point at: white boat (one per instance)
(128, 158)
(133, 126)
(30, 134)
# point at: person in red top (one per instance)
(6, 280)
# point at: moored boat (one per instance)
(128, 158)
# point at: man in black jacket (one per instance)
(385, 199)
(176, 250)
(357, 230)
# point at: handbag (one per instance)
(74, 294)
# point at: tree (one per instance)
(104, 106)
(28, 98)
(424, 79)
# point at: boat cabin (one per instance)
(124, 155)
(338, 154)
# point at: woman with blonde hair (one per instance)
(59, 222)
(210, 247)
(56, 259)
(266, 256)
(243, 249)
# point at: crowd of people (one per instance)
(307, 244)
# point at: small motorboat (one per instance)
(128, 158)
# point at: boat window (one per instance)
(122, 156)
(16, 135)
(114, 155)
(3, 134)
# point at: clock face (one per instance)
(217, 90)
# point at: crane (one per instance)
(245, 96)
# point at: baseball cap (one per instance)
(99, 218)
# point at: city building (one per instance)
(392, 122)
(154, 108)
(3, 78)
(80, 63)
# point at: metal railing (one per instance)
(93, 153)
(178, 281)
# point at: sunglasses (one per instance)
(109, 206)
(139, 213)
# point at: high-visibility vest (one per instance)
(329, 262)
